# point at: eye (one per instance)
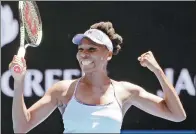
(92, 49)
(80, 49)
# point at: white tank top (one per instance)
(84, 118)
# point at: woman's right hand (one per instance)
(18, 68)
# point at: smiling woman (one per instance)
(96, 46)
(95, 103)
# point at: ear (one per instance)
(109, 56)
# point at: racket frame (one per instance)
(23, 30)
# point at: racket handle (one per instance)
(21, 53)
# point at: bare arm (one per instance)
(171, 98)
(25, 119)
(168, 107)
(153, 104)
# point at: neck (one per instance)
(96, 79)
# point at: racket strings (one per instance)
(31, 22)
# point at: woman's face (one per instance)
(92, 56)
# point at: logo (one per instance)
(34, 79)
(95, 124)
(9, 26)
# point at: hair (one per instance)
(108, 29)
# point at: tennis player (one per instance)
(95, 103)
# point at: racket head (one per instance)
(31, 22)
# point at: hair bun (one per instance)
(107, 28)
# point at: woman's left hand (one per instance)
(147, 60)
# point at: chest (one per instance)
(96, 97)
(91, 118)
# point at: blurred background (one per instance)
(166, 28)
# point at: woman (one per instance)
(95, 103)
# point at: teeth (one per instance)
(86, 62)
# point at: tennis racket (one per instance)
(30, 28)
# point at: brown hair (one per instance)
(108, 29)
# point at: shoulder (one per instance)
(61, 87)
(62, 91)
(130, 87)
(127, 86)
(127, 89)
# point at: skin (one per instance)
(97, 86)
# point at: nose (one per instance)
(84, 54)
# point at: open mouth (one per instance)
(86, 62)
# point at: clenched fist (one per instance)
(16, 72)
(147, 60)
